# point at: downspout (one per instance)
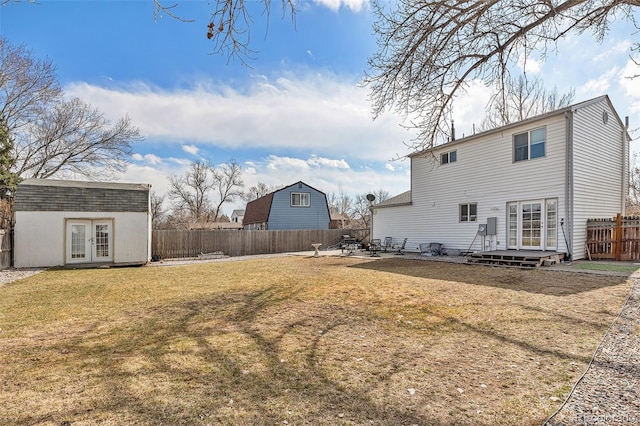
(568, 204)
(625, 166)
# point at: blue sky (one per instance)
(297, 114)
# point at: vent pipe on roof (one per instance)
(453, 132)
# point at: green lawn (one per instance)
(297, 340)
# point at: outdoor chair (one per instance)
(400, 248)
(388, 243)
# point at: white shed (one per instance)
(59, 222)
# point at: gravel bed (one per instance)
(609, 391)
(9, 275)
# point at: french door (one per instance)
(89, 241)
(533, 225)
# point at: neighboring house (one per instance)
(534, 183)
(237, 216)
(296, 206)
(338, 221)
(67, 222)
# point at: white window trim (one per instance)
(447, 155)
(303, 196)
(528, 133)
(470, 218)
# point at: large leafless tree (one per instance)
(51, 136)
(522, 98)
(204, 189)
(429, 51)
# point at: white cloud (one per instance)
(389, 167)
(354, 5)
(469, 108)
(631, 86)
(597, 86)
(326, 162)
(147, 158)
(529, 65)
(191, 149)
(321, 112)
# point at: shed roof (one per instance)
(80, 196)
(85, 184)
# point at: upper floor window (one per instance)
(468, 212)
(529, 145)
(448, 157)
(300, 199)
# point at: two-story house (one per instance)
(296, 206)
(530, 185)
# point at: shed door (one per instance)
(89, 241)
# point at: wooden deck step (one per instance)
(519, 258)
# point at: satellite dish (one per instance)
(371, 197)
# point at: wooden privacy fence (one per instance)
(617, 238)
(168, 244)
(6, 250)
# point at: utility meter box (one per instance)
(482, 229)
(492, 225)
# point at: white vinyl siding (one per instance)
(484, 174)
(597, 169)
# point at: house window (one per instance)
(448, 157)
(300, 199)
(529, 145)
(468, 212)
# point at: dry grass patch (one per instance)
(298, 340)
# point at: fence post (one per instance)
(618, 251)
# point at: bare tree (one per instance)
(257, 191)
(430, 50)
(191, 192)
(230, 23)
(71, 139)
(28, 86)
(633, 198)
(51, 136)
(523, 98)
(361, 209)
(227, 183)
(157, 210)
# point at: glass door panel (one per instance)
(102, 241)
(531, 233)
(552, 225)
